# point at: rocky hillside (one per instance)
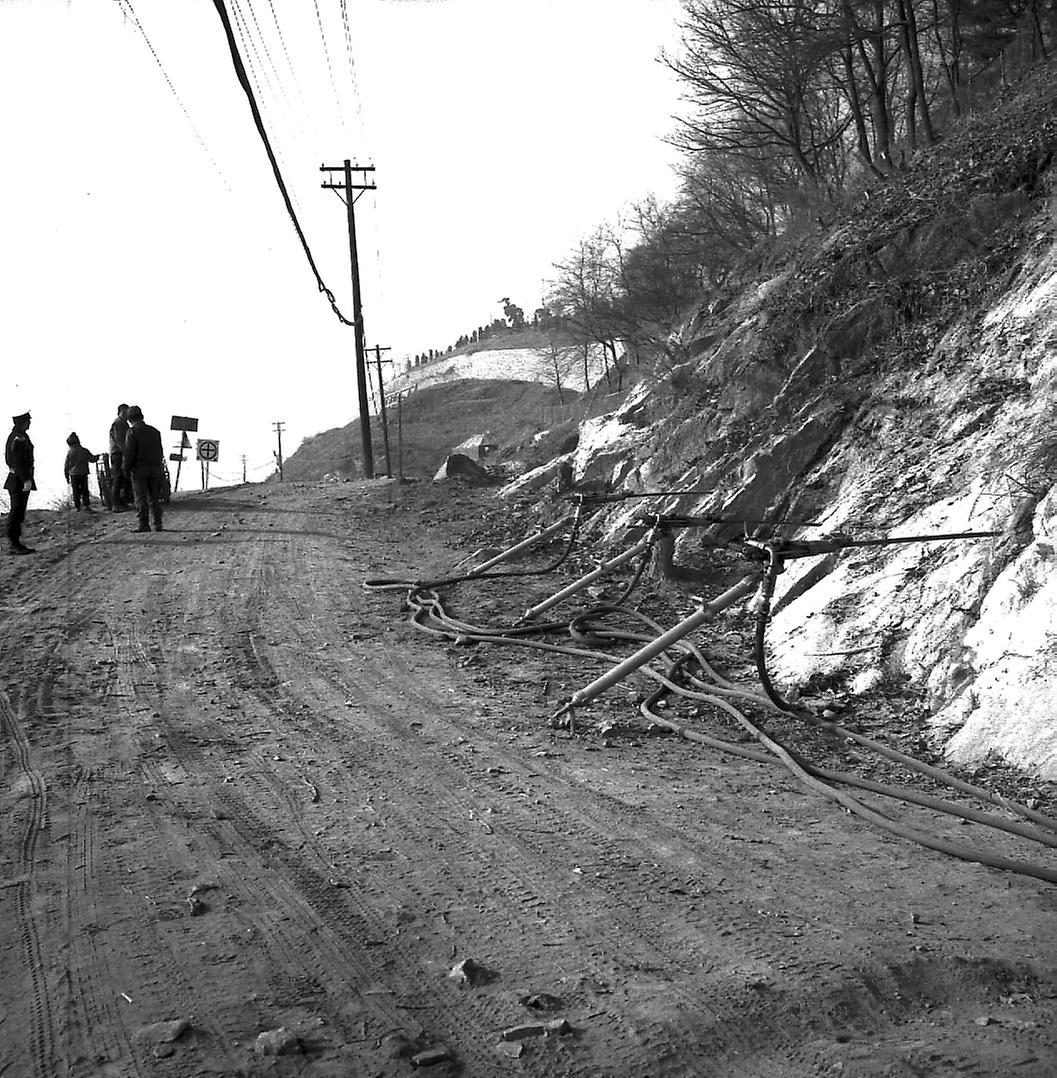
(895, 374)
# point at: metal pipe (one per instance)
(707, 612)
(578, 585)
(523, 545)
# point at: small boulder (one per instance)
(277, 1042)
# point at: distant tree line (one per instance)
(791, 105)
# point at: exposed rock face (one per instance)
(900, 379)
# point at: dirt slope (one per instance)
(239, 791)
(432, 422)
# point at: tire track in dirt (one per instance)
(35, 813)
(247, 813)
(365, 825)
(831, 993)
(95, 1025)
(347, 913)
(664, 954)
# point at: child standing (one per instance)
(77, 460)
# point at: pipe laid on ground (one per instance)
(523, 545)
(603, 570)
(746, 586)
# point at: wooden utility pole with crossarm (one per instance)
(349, 192)
(378, 350)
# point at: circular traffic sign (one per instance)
(208, 449)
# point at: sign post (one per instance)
(182, 423)
(208, 450)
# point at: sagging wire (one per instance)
(240, 71)
(179, 101)
(249, 44)
(330, 69)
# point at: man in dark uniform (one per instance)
(18, 453)
(121, 493)
(145, 463)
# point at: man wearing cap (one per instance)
(18, 453)
(120, 495)
(145, 463)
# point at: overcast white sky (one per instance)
(145, 254)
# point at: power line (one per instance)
(249, 46)
(276, 79)
(305, 111)
(183, 108)
(240, 71)
(351, 59)
(330, 69)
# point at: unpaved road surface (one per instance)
(239, 793)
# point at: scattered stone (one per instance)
(277, 1042)
(519, 1033)
(162, 1032)
(541, 1001)
(470, 974)
(536, 1029)
(510, 1049)
(430, 1057)
(396, 1045)
(984, 1020)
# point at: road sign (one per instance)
(183, 422)
(208, 449)
(176, 456)
(185, 442)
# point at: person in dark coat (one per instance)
(120, 485)
(76, 470)
(18, 453)
(145, 463)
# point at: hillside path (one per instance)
(239, 792)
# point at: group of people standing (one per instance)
(137, 470)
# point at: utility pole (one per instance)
(279, 456)
(401, 394)
(345, 191)
(378, 350)
(243, 467)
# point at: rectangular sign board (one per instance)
(175, 456)
(183, 422)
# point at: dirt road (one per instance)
(239, 794)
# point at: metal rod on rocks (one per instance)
(746, 586)
(523, 545)
(605, 568)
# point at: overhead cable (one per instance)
(127, 5)
(240, 71)
(330, 69)
(249, 43)
(349, 55)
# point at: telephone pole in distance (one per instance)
(345, 191)
(378, 350)
(279, 427)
